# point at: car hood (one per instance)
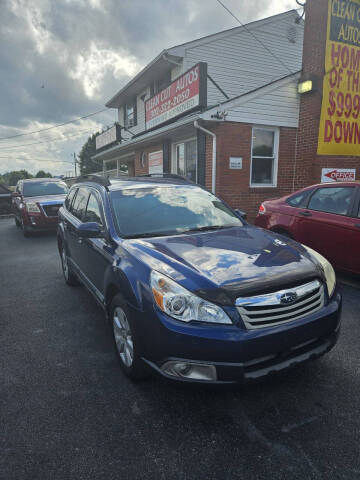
(46, 199)
(225, 264)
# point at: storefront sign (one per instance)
(110, 136)
(155, 160)
(183, 95)
(235, 163)
(337, 174)
(339, 132)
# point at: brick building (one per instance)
(310, 164)
(225, 111)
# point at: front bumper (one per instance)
(240, 355)
(36, 222)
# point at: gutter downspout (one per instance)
(213, 167)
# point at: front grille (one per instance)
(269, 310)
(51, 210)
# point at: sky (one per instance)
(64, 59)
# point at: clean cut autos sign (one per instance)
(339, 132)
(184, 94)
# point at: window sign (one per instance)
(155, 160)
(235, 163)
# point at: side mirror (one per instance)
(90, 230)
(240, 214)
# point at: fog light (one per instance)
(193, 371)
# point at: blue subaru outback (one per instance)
(193, 292)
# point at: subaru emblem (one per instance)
(287, 298)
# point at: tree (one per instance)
(11, 178)
(86, 163)
(43, 174)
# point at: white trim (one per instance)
(275, 155)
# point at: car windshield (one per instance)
(38, 189)
(171, 210)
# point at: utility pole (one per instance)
(75, 162)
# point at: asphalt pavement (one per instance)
(67, 411)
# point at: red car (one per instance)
(325, 217)
(36, 203)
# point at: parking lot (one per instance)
(67, 412)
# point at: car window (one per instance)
(93, 213)
(69, 198)
(169, 210)
(332, 200)
(35, 189)
(299, 199)
(79, 205)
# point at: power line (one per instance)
(45, 141)
(37, 160)
(54, 126)
(256, 38)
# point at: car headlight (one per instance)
(32, 207)
(326, 267)
(179, 303)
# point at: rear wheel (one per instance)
(125, 339)
(69, 277)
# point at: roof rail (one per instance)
(100, 179)
(166, 175)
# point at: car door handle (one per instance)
(306, 214)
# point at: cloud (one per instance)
(64, 59)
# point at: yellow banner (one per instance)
(339, 132)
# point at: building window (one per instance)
(130, 115)
(264, 157)
(185, 159)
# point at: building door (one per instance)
(185, 161)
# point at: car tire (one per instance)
(127, 346)
(25, 229)
(69, 277)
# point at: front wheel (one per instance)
(69, 277)
(25, 229)
(125, 339)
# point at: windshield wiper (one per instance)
(150, 234)
(207, 228)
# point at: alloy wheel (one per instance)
(64, 262)
(123, 336)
